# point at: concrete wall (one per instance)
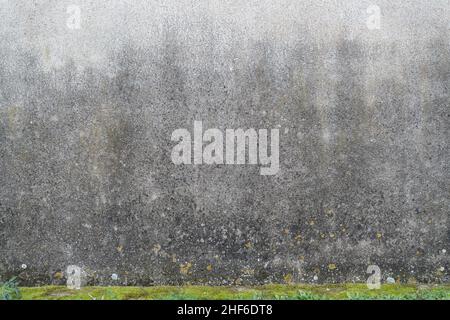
(86, 117)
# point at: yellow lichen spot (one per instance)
(301, 258)
(298, 238)
(47, 53)
(248, 245)
(185, 268)
(379, 235)
(411, 280)
(12, 112)
(156, 248)
(322, 235)
(58, 275)
(119, 249)
(288, 278)
(209, 267)
(312, 222)
(331, 266)
(248, 271)
(331, 235)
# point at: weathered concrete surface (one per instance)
(87, 116)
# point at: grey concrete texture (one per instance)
(86, 117)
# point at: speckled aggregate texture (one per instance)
(86, 117)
